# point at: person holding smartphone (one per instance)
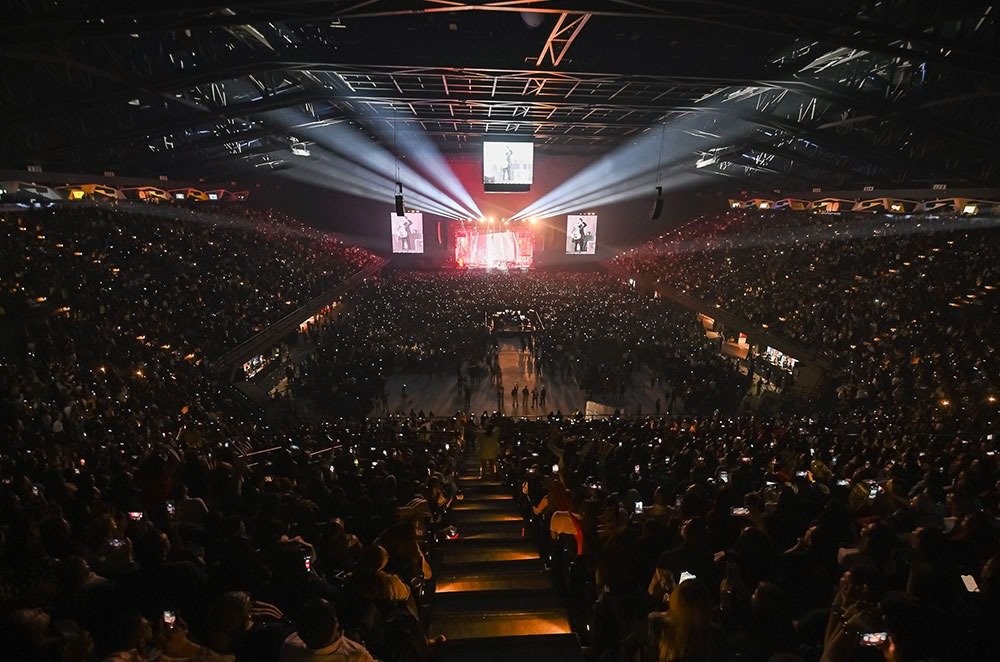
(855, 613)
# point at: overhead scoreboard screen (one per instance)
(508, 163)
(407, 232)
(581, 234)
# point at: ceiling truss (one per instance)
(888, 92)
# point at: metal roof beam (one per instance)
(836, 143)
(190, 120)
(768, 18)
(558, 39)
(878, 109)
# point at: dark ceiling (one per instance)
(782, 93)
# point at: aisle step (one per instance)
(494, 599)
(500, 497)
(485, 623)
(483, 504)
(489, 535)
(477, 567)
(458, 518)
(497, 600)
(493, 578)
(504, 529)
(482, 553)
(538, 648)
(465, 483)
(474, 478)
(475, 489)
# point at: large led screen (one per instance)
(508, 164)
(581, 234)
(407, 232)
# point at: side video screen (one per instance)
(407, 232)
(581, 234)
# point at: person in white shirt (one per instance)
(320, 639)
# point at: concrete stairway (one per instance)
(494, 600)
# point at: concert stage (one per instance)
(493, 245)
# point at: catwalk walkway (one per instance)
(440, 393)
(494, 600)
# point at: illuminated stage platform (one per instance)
(492, 245)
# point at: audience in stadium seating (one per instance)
(905, 302)
(145, 516)
(595, 329)
(189, 276)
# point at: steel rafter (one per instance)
(854, 91)
(596, 86)
(881, 110)
(765, 18)
(564, 32)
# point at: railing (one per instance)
(753, 331)
(228, 362)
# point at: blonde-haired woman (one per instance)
(685, 631)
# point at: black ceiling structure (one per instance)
(781, 93)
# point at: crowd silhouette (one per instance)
(148, 515)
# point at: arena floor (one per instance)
(440, 393)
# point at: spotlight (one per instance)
(657, 204)
(399, 199)
(482, 219)
(533, 220)
(299, 148)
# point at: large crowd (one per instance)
(169, 275)
(903, 303)
(147, 517)
(593, 329)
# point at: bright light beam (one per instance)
(348, 142)
(426, 157)
(593, 198)
(633, 164)
(332, 172)
(620, 193)
(625, 164)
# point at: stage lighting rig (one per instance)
(299, 148)
(399, 199)
(395, 157)
(657, 204)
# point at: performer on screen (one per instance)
(403, 232)
(579, 237)
(507, 161)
